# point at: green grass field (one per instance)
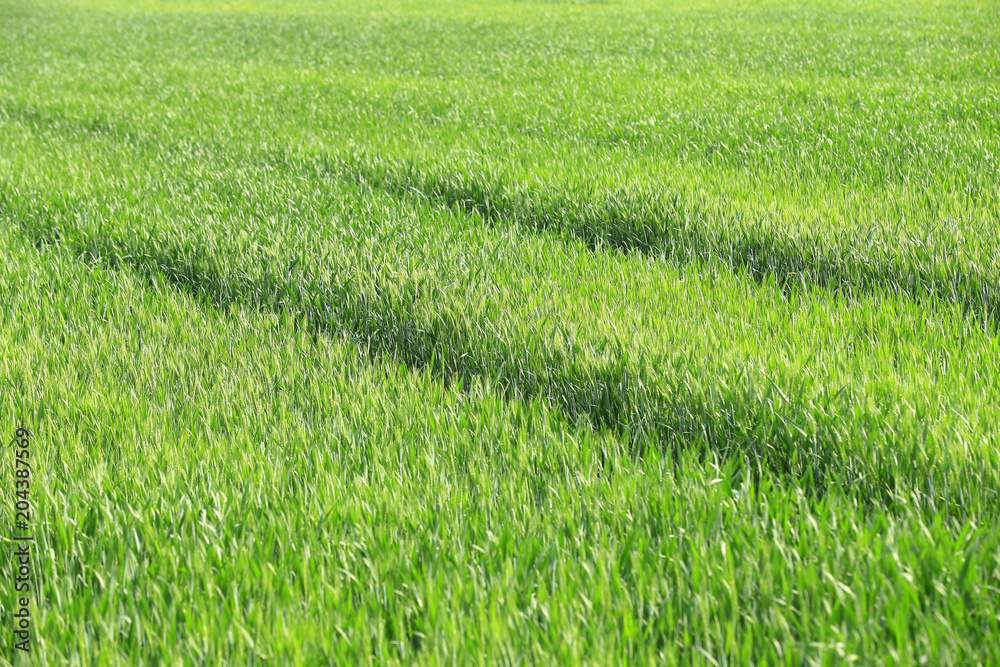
(534, 332)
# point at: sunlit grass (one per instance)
(526, 332)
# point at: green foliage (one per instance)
(529, 332)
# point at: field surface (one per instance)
(511, 333)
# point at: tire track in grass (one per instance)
(775, 424)
(663, 224)
(657, 223)
(647, 517)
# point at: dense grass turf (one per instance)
(517, 332)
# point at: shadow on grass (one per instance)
(801, 438)
(662, 224)
(652, 222)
